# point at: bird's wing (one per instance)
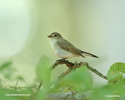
(65, 45)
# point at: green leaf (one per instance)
(4, 94)
(7, 70)
(42, 95)
(43, 75)
(108, 92)
(5, 66)
(116, 72)
(8, 74)
(19, 77)
(80, 79)
(43, 71)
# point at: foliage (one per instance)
(7, 70)
(115, 90)
(42, 71)
(116, 72)
(43, 77)
(79, 82)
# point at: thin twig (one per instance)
(71, 66)
(38, 89)
(97, 72)
(33, 95)
(16, 84)
(64, 74)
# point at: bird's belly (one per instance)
(63, 53)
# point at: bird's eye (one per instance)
(55, 35)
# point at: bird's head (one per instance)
(55, 35)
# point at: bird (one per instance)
(64, 49)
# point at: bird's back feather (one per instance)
(66, 45)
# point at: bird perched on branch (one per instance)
(64, 49)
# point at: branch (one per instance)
(67, 96)
(71, 66)
(75, 65)
(96, 72)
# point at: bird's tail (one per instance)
(88, 54)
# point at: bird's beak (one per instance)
(49, 36)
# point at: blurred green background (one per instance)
(95, 26)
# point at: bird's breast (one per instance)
(59, 51)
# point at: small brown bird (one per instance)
(65, 49)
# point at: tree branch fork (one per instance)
(71, 66)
